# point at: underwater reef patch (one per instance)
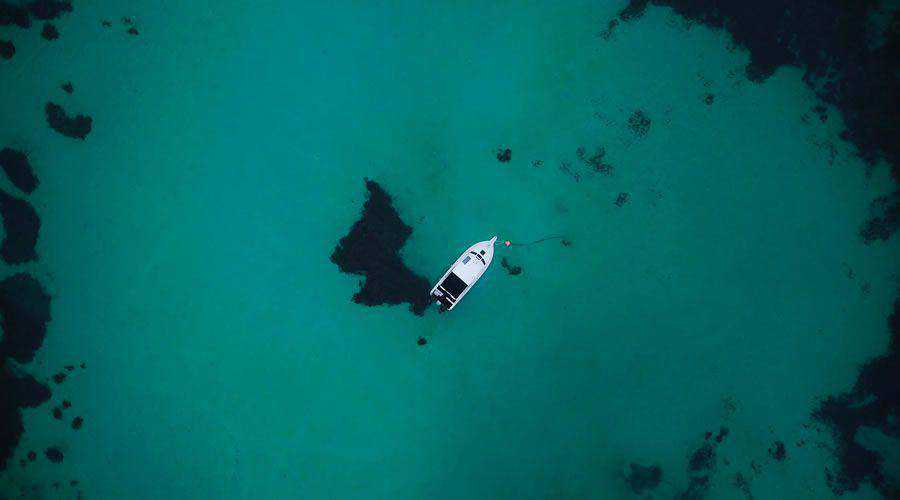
(595, 161)
(643, 478)
(504, 155)
(702, 465)
(777, 451)
(741, 483)
(17, 168)
(14, 14)
(19, 14)
(19, 391)
(7, 49)
(697, 489)
(610, 30)
(54, 454)
(24, 314)
(874, 401)
(703, 458)
(884, 218)
(372, 249)
(22, 226)
(77, 127)
(67, 87)
(639, 123)
(512, 270)
(49, 9)
(848, 60)
(49, 32)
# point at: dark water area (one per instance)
(372, 249)
(231, 221)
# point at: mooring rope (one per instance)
(535, 242)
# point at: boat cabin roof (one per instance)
(471, 266)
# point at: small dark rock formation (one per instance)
(607, 33)
(421, 341)
(132, 31)
(57, 413)
(372, 249)
(639, 123)
(702, 459)
(32, 456)
(708, 98)
(66, 404)
(69, 368)
(565, 242)
(595, 161)
(723, 433)
(127, 21)
(537, 163)
(512, 270)
(7, 49)
(77, 422)
(778, 451)
(106, 23)
(504, 155)
(17, 168)
(49, 32)
(642, 478)
(53, 454)
(77, 128)
(83, 366)
(621, 199)
(67, 87)
(22, 226)
(59, 378)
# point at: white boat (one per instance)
(463, 274)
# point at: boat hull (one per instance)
(463, 274)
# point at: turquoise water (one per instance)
(186, 246)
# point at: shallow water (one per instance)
(186, 245)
